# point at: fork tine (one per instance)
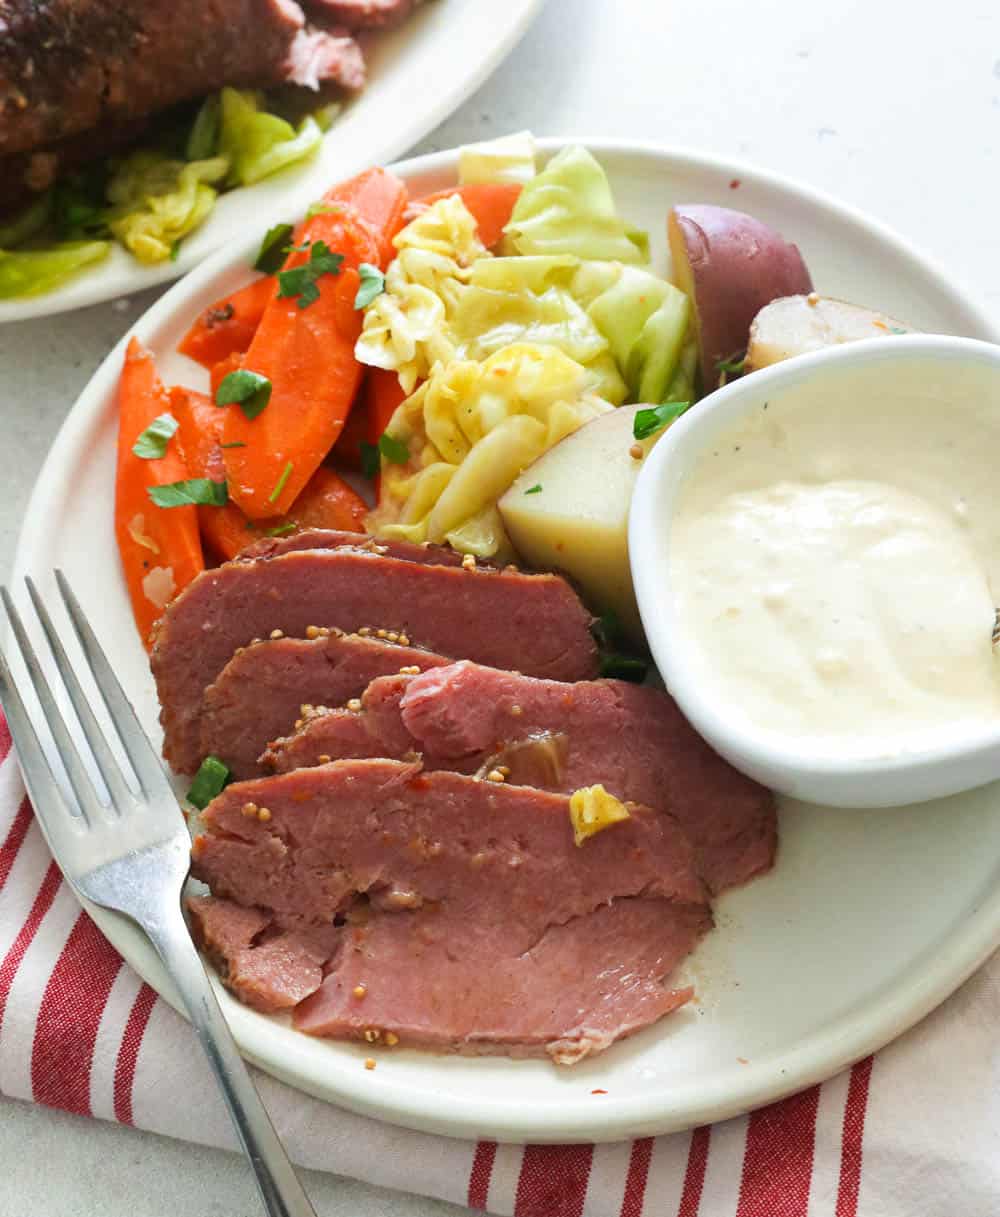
(138, 749)
(83, 788)
(121, 796)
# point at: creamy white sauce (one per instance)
(836, 567)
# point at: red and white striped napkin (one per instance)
(913, 1133)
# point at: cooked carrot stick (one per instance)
(159, 547)
(377, 198)
(228, 325)
(491, 203)
(327, 501)
(304, 347)
(382, 395)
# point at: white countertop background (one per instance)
(893, 106)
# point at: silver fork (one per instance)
(130, 851)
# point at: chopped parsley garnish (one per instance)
(624, 667)
(607, 629)
(175, 250)
(282, 482)
(301, 280)
(393, 449)
(249, 390)
(372, 285)
(235, 443)
(152, 443)
(536, 489)
(654, 418)
(271, 256)
(210, 780)
(733, 366)
(369, 459)
(201, 492)
(281, 530)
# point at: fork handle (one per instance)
(280, 1189)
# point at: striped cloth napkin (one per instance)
(913, 1133)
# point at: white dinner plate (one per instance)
(417, 75)
(868, 920)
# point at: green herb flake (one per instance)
(200, 492)
(175, 250)
(654, 418)
(281, 530)
(152, 443)
(271, 255)
(282, 482)
(370, 462)
(210, 780)
(624, 667)
(895, 329)
(300, 281)
(393, 449)
(236, 443)
(735, 365)
(372, 285)
(248, 390)
(607, 629)
(536, 489)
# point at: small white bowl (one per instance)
(787, 765)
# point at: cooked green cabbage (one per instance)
(470, 430)
(31, 272)
(511, 158)
(407, 327)
(568, 208)
(155, 201)
(588, 309)
(256, 143)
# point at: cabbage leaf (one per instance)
(568, 208)
(256, 143)
(470, 430)
(407, 327)
(511, 158)
(155, 201)
(31, 272)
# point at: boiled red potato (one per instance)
(731, 266)
(794, 325)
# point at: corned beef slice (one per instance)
(632, 739)
(261, 691)
(477, 905)
(534, 623)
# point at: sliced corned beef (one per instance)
(266, 687)
(535, 623)
(632, 739)
(477, 908)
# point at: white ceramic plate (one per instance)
(417, 75)
(869, 919)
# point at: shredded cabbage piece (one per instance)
(156, 201)
(470, 430)
(511, 158)
(31, 272)
(568, 208)
(256, 143)
(407, 327)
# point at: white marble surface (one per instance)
(893, 106)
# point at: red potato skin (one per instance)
(731, 265)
